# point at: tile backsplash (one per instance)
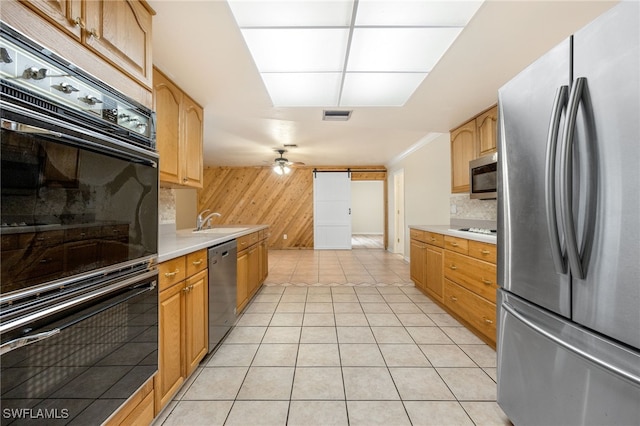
(463, 207)
(166, 206)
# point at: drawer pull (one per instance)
(453, 298)
(454, 244)
(483, 251)
(171, 274)
(487, 282)
(197, 262)
(487, 320)
(433, 239)
(453, 267)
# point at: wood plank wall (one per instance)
(256, 195)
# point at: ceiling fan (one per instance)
(282, 165)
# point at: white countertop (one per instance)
(446, 230)
(182, 242)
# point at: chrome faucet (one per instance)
(200, 221)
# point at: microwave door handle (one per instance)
(559, 104)
(566, 179)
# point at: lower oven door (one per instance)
(79, 364)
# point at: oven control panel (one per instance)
(26, 70)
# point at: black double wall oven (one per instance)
(79, 207)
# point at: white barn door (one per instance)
(332, 210)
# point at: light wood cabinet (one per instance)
(418, 262)
(179, 132)
(137, 411)
(426, 261)
(433, 271)
(460, 275)
(463, 150)
(487, 124)
(473, 139)
(119, 31)
(183, 330)
(64, 14)
(252, 266)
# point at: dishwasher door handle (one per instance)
(225, 253)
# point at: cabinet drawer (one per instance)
(196, 262)
(434, 239)
(478, 312)
(417, 234)
(247, 240)
(483, 251)
(476, 275)
(171, 272)
(459, 245)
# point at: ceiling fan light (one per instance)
(278, 169)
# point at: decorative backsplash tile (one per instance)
(463, 207)
(166, 206)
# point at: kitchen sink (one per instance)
(220, 230)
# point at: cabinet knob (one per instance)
(453, 298)
(487, 282)
(487, 320)
(79, 23)
(453, 267)
(94, 34)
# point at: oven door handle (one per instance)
(27, 340)
(82, 299)
(26, 128)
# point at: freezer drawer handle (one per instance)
(27, 340)
(559, 104)
(625, 374)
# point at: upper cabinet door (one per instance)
(120, 31)
(193, 123)
(64, 14)
(463, 150)
(167, 101)
(487, 126)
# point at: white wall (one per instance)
(427, 185)
(367, 207)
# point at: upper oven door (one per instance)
(483, 177)
(72, 201)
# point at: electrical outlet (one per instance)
(284, 236)
(454, 209)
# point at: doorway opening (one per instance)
(368, 214)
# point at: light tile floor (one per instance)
(342, 338)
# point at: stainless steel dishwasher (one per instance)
(222, 291)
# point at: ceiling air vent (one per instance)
(334, 115)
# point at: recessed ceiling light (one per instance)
(348, 52)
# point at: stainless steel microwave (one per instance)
(483, 177)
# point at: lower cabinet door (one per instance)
(434, 277)
(196, 320)
(170, 373)
(242, 283)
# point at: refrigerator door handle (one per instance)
(566, 179)
(571, 348)
(559, 105)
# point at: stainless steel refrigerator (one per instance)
(569, 230)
